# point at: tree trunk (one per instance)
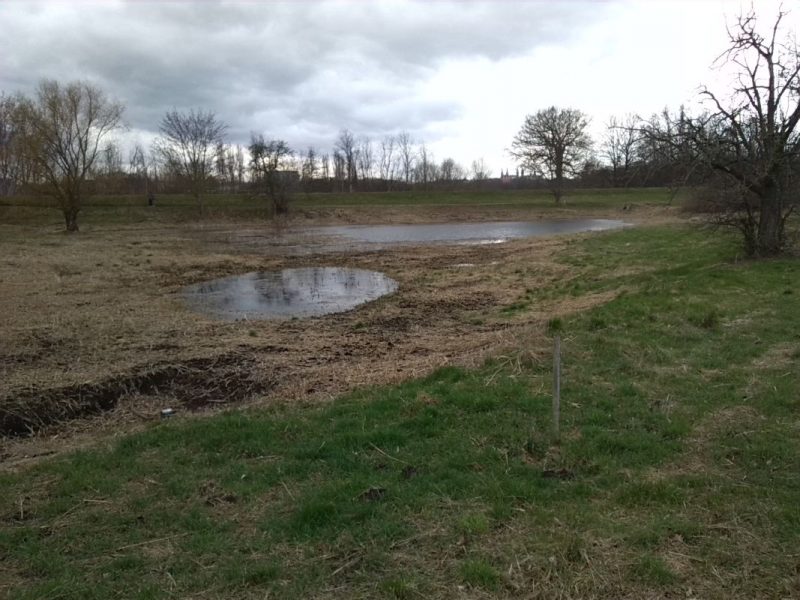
(558, 188)
(71, 219)
(769, 241)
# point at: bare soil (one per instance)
(96, 339)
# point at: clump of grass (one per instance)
(597, 322)
(474, 524)
(652, 570)
(479, 573)
(555, 325)
(399, 588)
(705, 320)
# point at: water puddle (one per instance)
(465, 233)
(307, 292)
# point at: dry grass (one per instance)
(96, 320)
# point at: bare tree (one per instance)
(220, 166)
(12, 135)
(749, 141)
(325, 162)
(310, 164)
(553, 143)
(365, 157)
(240, 166)
(347, 148)
(450, 170)
(620, 147)
(270, 165)
(230, 168)
(387, 160)
(111, 159)
(423, 160)
(65, 128)
(426, 170)
(188, 144)
(137, 161)
(405, 148)
(308, 170)
(480, 170)
(137, 168)
(339, 168)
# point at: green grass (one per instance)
(594, 198)
(680, 456)
(130, 209)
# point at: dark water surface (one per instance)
(307, 292)
(468, 233)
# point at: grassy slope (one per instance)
(677, 473)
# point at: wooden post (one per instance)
(556, 387)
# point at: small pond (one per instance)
(467, 233)
(307, 292)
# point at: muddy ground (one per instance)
(96, 339)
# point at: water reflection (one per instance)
(304, 292)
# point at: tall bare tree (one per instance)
(339, 169)
(230, 168)
(325, 168)
(220, 166)
(553, 142)
(110, 159)
(424, 163)
(270, 165)
(66, 125)
(405, 148)
(309, 168)
(387, 159)
(480, 170)
(138, 169)
(365, 158)
(348, 150)
(620, 148)
(450, 170)
(188, 144)
(749, 138)
(310, 164)
(240, 166)
(13, 171)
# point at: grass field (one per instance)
(108, 210)
(676, 475)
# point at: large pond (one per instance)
(468, 233)
(289, 293)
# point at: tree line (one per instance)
(191, 152)
(60, 142)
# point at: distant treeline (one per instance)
(355, 163)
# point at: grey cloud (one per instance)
(297, 70)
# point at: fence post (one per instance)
(556, 387)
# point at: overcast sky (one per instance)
(459, 75)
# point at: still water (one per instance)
(307, 292)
